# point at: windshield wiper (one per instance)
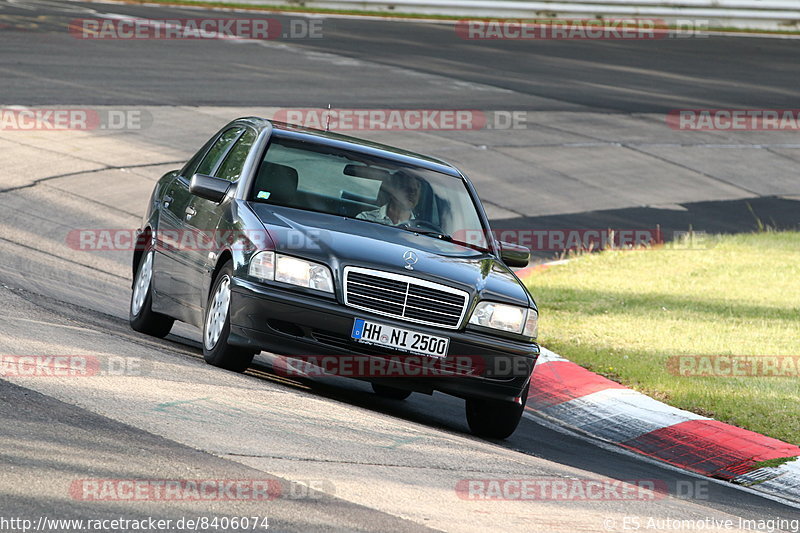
(425, 231)
(430, 233)
(441, 236)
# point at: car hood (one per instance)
(340, 242)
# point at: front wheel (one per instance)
(141, 317)
(493, 418)
(217, 327)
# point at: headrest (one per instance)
(278, 180)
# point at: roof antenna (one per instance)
(328, 121)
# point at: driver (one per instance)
(403, 191)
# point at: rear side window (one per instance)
(218, 151)
(231, 168)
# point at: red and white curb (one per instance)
(591, 404)
(596, 406)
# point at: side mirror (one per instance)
(209, 187)
(514, 255)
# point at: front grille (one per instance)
(404, 297)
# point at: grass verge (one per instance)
(629, 315)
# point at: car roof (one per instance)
(328, 138)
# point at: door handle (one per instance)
(167, 201)
(190, 211)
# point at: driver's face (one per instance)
(408, 192)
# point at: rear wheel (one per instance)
(494, 418)
(141, 317)
(390, 392)
(217, 327)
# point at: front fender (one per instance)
(240, 235)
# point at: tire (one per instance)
(141, 316)
(217, 327)
(390, 392)
(493, 418)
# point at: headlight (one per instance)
(506, 318)
(303, 273)
(262, 266)
(271, 266)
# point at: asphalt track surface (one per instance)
(638, 76)
(382, 465)
(593, 151)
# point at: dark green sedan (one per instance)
(341, 255)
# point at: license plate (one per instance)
(401, 339)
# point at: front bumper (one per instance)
(289, 322)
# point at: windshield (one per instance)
(320, 178)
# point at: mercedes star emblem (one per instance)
(411, 259)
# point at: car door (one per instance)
(178, 265)
(168, 284)
(203, 216)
